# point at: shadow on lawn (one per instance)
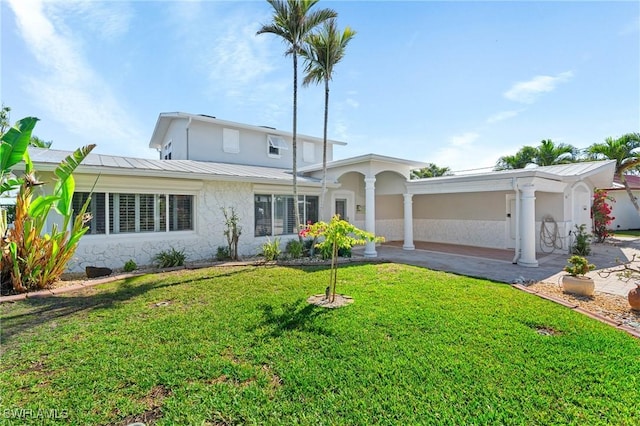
(295, 316)
(39, 311)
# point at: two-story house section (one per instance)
(183, 136)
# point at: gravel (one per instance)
(608, 305)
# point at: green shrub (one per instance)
(582, 242)
(223, 253)
(271, 249)
(170, 258)
(130, 265)
(325, 251)
(309, 246)
(295, 248)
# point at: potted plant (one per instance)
(577, 282)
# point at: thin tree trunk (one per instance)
(324, 146)
(296, 208)
(633, 199)
(334, 270)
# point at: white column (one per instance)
(370, 214)
(528, 227)
(408, 222)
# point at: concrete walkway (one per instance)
(550, 269)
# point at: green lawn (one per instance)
(240, 345)
(628, 233)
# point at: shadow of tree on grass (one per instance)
(294, 316)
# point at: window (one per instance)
(167, 150)
(133, 213)
(275, 145)
(275, 215)
(96, 208)
(180, 212)
(231, 141)
(262, 205)
(308, 152)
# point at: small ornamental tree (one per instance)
(601, 210)
(232, 231)
(337, 234)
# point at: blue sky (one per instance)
(458, 84)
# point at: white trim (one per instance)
(351, 208)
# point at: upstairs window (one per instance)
(167, 150)
(275, 145)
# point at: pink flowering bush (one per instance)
(601, 211)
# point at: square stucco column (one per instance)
(408, 222)
(528, 227)
(370, 214)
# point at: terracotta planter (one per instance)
(581, 286)
(634, 298)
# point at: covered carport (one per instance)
(505, 209)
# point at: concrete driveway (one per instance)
(604, 256)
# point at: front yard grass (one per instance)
(240, 345)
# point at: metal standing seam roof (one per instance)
(186, 169)
(553, 172)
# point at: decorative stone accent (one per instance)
(97, 272)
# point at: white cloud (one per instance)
(67, 87)
(528, 91)
(108, 20)
(500, 116)
(352, 103)
(463, 139)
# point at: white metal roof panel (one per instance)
(188, 169)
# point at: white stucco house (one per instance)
(141, 207)
(624, 212)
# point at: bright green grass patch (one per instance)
(241, 346)
(628, 233)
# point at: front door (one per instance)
(341, 208)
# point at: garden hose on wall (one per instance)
(550, 238)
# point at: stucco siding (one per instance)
(389, 207)
(626, 216)
(390, 229)
(481, 233)
(483, 206)
(549, 204)
(200, 244)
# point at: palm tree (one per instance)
(322, 51)
(624, 151)
(549, 154)
(545, 154)
(520, 160)
(39, 142)
(292, 21)
(430, 171)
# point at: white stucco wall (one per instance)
(481, 233)
(200, 244)
(626, 216)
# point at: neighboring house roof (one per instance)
(361, 159)
(632, 180)
(599, 172)
(48, 159)
(165, 118)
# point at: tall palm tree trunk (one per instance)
(324, 146)
(632, 197)
(296, 204)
